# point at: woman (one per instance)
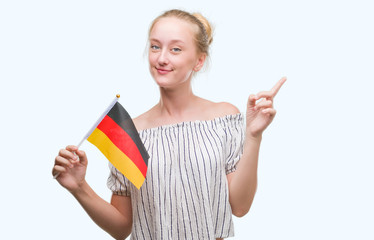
(195, 181)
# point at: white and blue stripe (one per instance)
(185, 193)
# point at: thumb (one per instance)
(82, 157)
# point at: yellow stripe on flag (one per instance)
(116, 157)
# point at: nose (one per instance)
(163, 58)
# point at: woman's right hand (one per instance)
(71, 168)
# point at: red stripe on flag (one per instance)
(123, 141)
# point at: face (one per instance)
(173, 55)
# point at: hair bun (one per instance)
(207, 26)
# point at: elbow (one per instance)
(241, 212)
(242, 209)
(123, 232)
(121, 236)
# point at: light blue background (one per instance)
(62, 62)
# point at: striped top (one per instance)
(185, 193)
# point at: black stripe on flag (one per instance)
(123, 119)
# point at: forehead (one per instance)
(171, 28)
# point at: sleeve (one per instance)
(117, 182)
(235, 134)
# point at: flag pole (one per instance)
(95, 125)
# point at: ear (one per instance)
(200, 62)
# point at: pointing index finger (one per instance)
(277, 86)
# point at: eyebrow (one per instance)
(172, 41)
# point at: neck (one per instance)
(176, 102)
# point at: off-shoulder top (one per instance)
(185, 194)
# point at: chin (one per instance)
(162, 81)
(163, 84)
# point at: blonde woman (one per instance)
(203, 155)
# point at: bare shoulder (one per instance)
(142, 121)
(202, 110)
(220, 109)
(138, 122)
(226, 108)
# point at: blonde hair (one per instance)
(204, 35)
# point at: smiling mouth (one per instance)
(163, 71)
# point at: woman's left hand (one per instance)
(261, 114)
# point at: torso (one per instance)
(185, 192)
(205, 110)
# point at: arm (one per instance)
(243, 182)
(115, 217)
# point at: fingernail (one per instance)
(71, 166)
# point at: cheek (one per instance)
(151, 64)
(151, 58)
(190, 63)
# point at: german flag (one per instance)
(117, 138)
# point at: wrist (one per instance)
(253, 137)
(80, 189)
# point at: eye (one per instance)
(155, 47)
(176, 49)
